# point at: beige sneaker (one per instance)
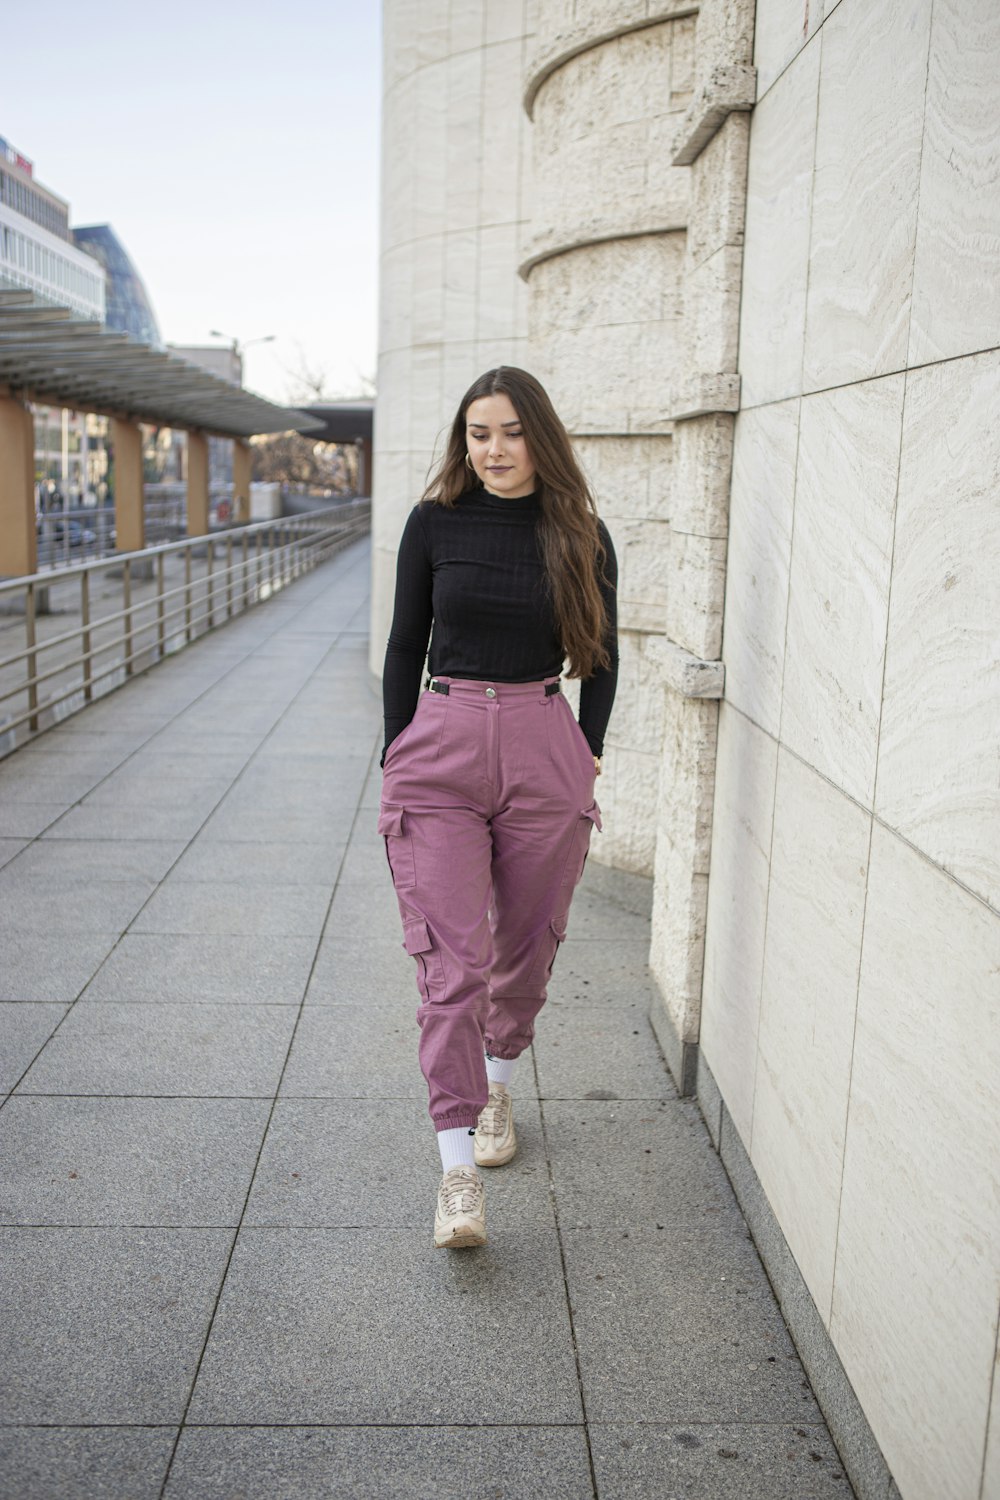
(461, 1210)
(495, 1141)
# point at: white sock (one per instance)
(500, 1069)
(456, 1147)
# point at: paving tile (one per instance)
(130, 859)
(25, 820)
(235, 909)
(10, 847)
(273, 864)
(254, 823)
(164, 1049)
(68, 904)
(44, 966)
(380, 1463)
(189, 967)
(606, 1053)
(343, 1164)
(24, 1028)
(92, 820)
(647, 1163)
(105, 1325)
(592, 918)
(314, 1327)
(708, 1461)
(184, 1162)
(680, 1325)
(605, 973)
(356, 1052)
(352, 968)
(99, 1463)
(27, 783)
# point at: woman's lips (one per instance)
(500, 468)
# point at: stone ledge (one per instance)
(701, 395)
(686, 674)
(547, 245)
(728, 87)
(563, 45)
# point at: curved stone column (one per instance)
(607, 89)
(632, 261)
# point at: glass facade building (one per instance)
(127, 306)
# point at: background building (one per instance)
(753, 255)
(36, 244)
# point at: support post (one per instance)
(241, 482)
(130, 516)
(197, 484)
(18, 534)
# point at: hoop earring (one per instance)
(468, 461)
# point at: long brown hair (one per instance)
(571, 547)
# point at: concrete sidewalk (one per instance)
(217, 1174)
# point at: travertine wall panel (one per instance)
(838, 597)
(696, 591)
(760, 540)
(937, 768)
(868, 133)
(920, 1212)
(819, 859)
(991, 1468)
(702, 455)
(956, 289)
(712, 297)
(746, 765)
(776, 258)
(718, 191)
(862, 600)
(782, 28)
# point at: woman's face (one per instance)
(497, 447)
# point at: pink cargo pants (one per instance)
(487, 811)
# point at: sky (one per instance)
(234, 149)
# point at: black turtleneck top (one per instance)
(474, 572)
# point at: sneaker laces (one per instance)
(462, 1191)
(494, 1118)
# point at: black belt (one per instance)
(444, 687)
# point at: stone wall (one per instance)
(851, 1004)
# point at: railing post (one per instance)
(229, 575)
(260, 563)
(210, 582)
(161, 617)
(88, 686)
(187, 593)
(127, 621)
(31, 659)
(245, 572)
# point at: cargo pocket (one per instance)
(398, 846)
(417, 942)
(548, 948)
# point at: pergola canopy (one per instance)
(53, 357)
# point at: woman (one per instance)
(488, 787)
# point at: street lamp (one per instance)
(238, 349)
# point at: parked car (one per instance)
(55, 528)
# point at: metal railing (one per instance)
(133, 609)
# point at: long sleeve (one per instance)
(597, 693)
(411, 627)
